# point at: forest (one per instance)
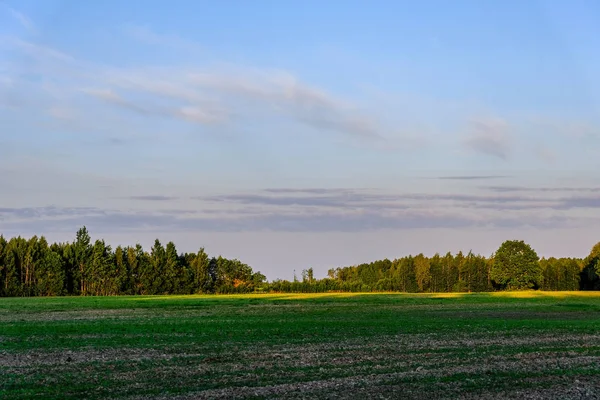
(33, 267)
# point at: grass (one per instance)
(296, 346)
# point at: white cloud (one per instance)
(37, 51)
(568, 128)
(146, 35)
(194, 113)
(23, 19)
(62, 113)
(490, 136)
(546, 154)
(329, 211)
(200, 95)
(104, 94)
(199, 115)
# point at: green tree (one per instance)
(3, 250)
(594, 257)
(203, 280)
(155, 276)
(258, 278)
(213, 273)
(132, 261)
(66, 253)
(516, 266)
(458, 283)
(121, 272)
(101, 279)
(423, 272)
(82, 251)
(406, 277)
(590, 274)
(173, 271)
(13, 261)
(436, 270)
(50, 279)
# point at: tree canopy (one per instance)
(33, 267)
(590, 274)
(516, 266)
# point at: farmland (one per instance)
(495, 345)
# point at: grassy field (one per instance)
(516, 345)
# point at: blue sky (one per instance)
(303, 134)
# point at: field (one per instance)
(516, 345)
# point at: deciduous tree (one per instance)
(516, 266)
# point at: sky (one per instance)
(303, 134)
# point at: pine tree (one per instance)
(82, 251)
(155, 276)
(50, 280)
(3, 249)
(173, 271)
(422, 272)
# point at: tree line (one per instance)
(33, 267)
(514, 266)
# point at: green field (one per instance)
(495, 345)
